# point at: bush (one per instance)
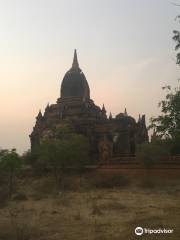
(10, 163)
(30, 158)
(151, 153)
(60, 154)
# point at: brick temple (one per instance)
(108, 136)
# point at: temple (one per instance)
(108, 136)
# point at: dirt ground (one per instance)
(39, 212)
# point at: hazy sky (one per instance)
(125, 50)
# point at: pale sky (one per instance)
(125, 50)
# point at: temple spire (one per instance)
(110, 115)
(125, 112)
(39, 116)
(40, 113)
(103, 108)
(47, 107)
(75, 64)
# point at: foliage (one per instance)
(29, 157)
(69, 150)
(176, 38)
(79, 151)
(10, 162)
(167, 125)
(150, 153)
(63, 131)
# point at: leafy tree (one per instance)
(10, 162)
(176, 38)
(79, 152)
(167, 125)
(52, 154)
(68, 151)
(30, 158)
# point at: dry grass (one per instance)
(18, 224)
(89, 213)
(110, 181)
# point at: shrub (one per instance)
(30, 158)
(151, 153)
(10, 163)
(60, 154)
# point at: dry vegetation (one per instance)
(88, 209)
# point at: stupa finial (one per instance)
(75, 64)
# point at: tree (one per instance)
(167, 125)
(176, 38)
(29, 158)
(60, 154)
(10, 162)
(79, 152)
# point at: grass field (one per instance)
(88, 211)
